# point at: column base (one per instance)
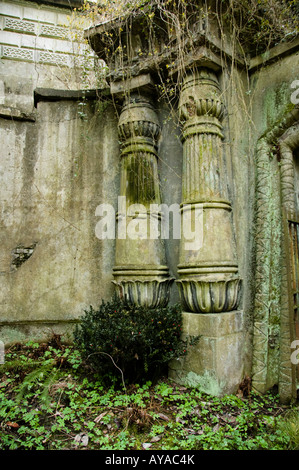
(207, 295)
(215, 364)
(151, 293)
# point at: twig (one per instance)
(122, 375)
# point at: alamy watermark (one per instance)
(295, 94)
(138, 222)
(295, 354)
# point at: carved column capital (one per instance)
(200, 107)
(138, 124)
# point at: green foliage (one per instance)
(290, 427)
(258, 25)
(44, 374)
(82, 413)
(135, 341)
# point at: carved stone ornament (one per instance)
(209, 296)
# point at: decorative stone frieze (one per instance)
(140, 274)
(30, 34)
(208, 280)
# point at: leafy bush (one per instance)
(136, 340)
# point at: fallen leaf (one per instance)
(179, 420)
(155, 438)
(81, 439)
(77, 438)
(228, 418)
(190, 431)
(84, 440)
(12, 425)
(146, 445)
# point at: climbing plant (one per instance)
(253, 25)
(170, 32)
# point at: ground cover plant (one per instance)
(50, 399)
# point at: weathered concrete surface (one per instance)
(216, 363)
(38, 49)
(53, 175)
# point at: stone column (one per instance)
(208, 280)
(140, 273)
(208, 273)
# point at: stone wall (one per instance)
(38, 49)
(52, 265)
(40, 145)
(274, 112)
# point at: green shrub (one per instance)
(136, 341)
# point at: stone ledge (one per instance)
(141, 82)
(14, 114)
(51, 94)
(274, 54)
(59, 3)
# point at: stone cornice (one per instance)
(273, 54)
(51, 94)
(108, 40)
(58, 3)
(14, 114)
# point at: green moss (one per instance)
(141, 180)
(206, 383)
(277, 103)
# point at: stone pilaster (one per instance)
(140, 272)
(208, 272)
(208, 275)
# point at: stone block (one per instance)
(215, 363)
(11, 9)
(142, 82)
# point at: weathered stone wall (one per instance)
(54, 173)
(273, 113)
(44, 167)
(38, 48)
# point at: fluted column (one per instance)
(140, 272)
(208, 275)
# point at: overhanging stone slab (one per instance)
(141, 82)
